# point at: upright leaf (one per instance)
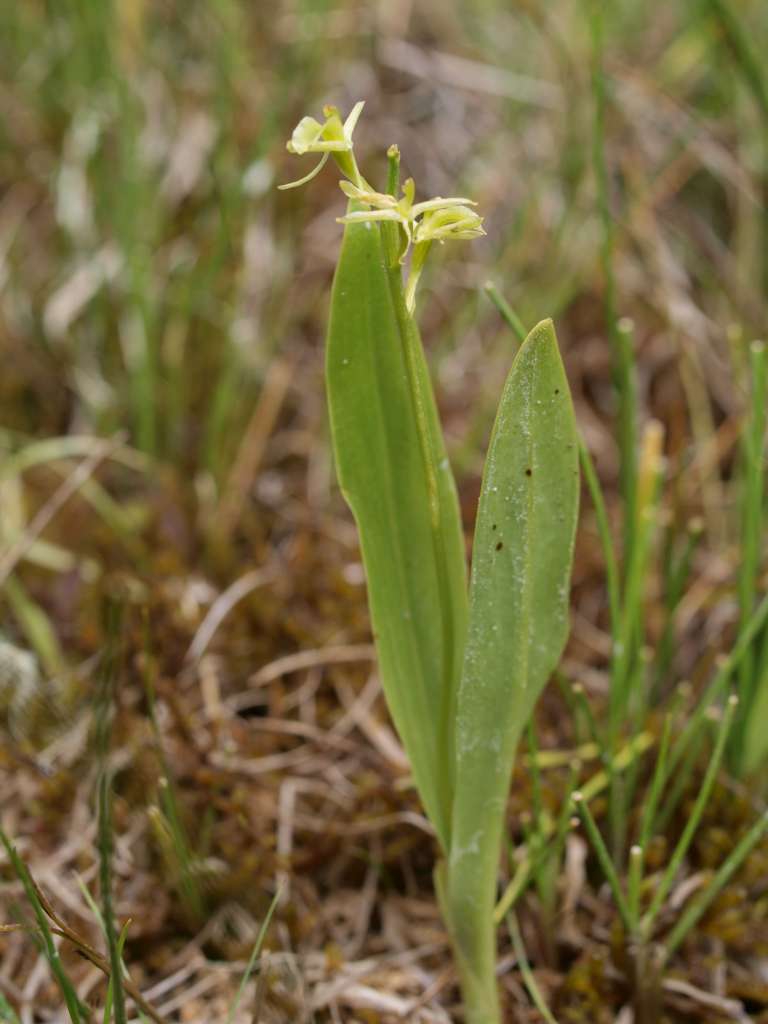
(518, 624)
(394, 473)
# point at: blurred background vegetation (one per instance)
(152, 273)
(161, 335)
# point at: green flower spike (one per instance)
(456, 222)
(331, 137)
(442, 218)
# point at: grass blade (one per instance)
(746, 756)
(74, 1007)
(105, 876)
(253, 957)
(108, 1002)
(620, 331)
(529, 979)
(105, 697)
(606, 863)
(702, 901)
(664, 886)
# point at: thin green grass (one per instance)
(669, 876)
(678, 565)
(605, 859)
(748, 747)
(78, 1014)
(253, 958)
(529, 979)
(709, 893)
(620, 331)
(105, 698)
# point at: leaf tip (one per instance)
(545, 327)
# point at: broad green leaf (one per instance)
(518, 624)
(394, 473)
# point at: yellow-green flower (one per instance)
(441, 218)
(456, 222)
(330, 137)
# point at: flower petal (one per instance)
(351, 121)
(457, 222)
(359, 216)
(438, 203)
(377, 199)
(307, 177)
(305, 135)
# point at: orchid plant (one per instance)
(434, 220)
(461, 665)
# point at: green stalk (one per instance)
(697, 719)
(104, 698)
(634, 884)
(533, 760)
(636, 747)
(676, 581)
(692, 824)
(752, 503)
(626, 663)
(546, 868)
(680, 781)
(638, 716)
(582, 705)
(752, 522)
(135, 221)
(604, 857)
(529, 979)
(510, 316)
(749, 62)
(630, 633)
(253, 957)
(105, 877)
(620, 331)
(546, 846)
(77, 1013)
(704, 898)
(657, 783)
(108, 1002)
(604, 532)
(169, 824)
(592, 788)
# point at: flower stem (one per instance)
(420, 253)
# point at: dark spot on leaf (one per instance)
(557, 391)
(500, 545)
(494, 526)
(529, 471)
